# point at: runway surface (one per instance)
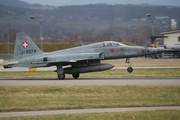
(81, 111)
(89, 81)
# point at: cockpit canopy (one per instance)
(112, 44)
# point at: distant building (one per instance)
(161, 17)
(173, 37)
(173, 24)
(172, 42)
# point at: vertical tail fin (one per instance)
(25, 47)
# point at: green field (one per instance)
(97, 24)
(113, 73)
(79, 97)
(78, 24)
(16, 20)
(145, 115)
(49, 46)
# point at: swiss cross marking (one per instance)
(25, 44)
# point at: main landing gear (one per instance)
(75, 75)
(61, 75)
(60, 72)
(129, 69)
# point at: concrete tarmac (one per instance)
(92, 81)
(81, 111)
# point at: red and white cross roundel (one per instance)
(25, 44)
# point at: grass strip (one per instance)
(77, 97)
(143, 115)
(113, 73)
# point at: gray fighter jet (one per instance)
(82, 59)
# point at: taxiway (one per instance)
(92, 81)
(81, 111)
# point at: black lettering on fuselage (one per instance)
(28, 51)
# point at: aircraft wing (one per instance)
(78, 57)
(68, 58)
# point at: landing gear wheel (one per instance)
(61, 76)
(75, 75)
(130, 69)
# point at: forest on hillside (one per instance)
(93, 22)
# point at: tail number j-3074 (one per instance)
(28, 51)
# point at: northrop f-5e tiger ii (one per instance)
(82, 59)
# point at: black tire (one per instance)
(130, 69)
(176, 55)
(61, 76)
(75, 75)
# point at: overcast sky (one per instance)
(82, 2)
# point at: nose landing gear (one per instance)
(129, 69)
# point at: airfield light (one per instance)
(149, 16)
(40, 28)
(32, 17)
(8, 46)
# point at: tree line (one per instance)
(53, 30)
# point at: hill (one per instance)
(92, 11)
(110, 12)
(94, 22)
(14, 3)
